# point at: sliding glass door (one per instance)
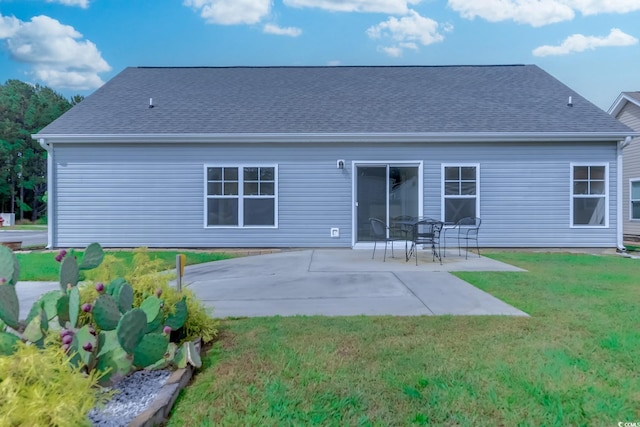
(385, 192)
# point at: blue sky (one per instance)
(74, 46)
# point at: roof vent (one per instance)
(151, 102)
(570, 103)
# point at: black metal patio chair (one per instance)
(468, 229)
(427, 233)
(381, 233)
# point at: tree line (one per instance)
(24, 110)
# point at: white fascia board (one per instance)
(249, 138)
(620, 102)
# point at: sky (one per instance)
(75, 46)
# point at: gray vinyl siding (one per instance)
(126, 195)
(630, 115)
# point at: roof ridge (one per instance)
(330, 66)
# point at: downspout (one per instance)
(50, 186)
(619, 196)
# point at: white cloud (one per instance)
(81, 3)
(407, 32)
(56, 52)
(533, 12)
(231, 12)
(580, 43)
(281, 31)
(380, 6)
(594, 7)
(538, 12)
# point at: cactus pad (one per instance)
(107, 341)
(9, 267)
(151, 349)
(62, 308)
(113, 286)
(38, 326)
(151, 307)
(8, 342)
(92, 258)
(131, 329)
(106, 312)
(49, 302)
(9, 305)
(79, 339)
(69, 273)
(123, 295)
(74, 306)
(176, 319)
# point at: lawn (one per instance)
(574, 362)
(42, 266)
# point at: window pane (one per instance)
(597, 172)
(635, 190)
(231, 174)
(588, 211)
(230, 188)
(581, 172)
(597, 187)
(469, 173)
(214, 174)
(251, 174)
(456, 209)
(214, 188)
(222, 211)
(451, 173)
(267, 174)
(581, 187)
(267, 189)
(635, 210)
(452, 188)
(250, 188)
(259, 211)
(468, 188)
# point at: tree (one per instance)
(25, 110)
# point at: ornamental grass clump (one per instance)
(39, 387)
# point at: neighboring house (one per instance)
(304, 156)
(626, 108)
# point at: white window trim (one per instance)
(631, 181)
(606, 194)
(241, 196)
(442, 195)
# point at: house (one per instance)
(626, 108)
(304, 156)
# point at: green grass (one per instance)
(573, 363)
(42, 266)
(25, 227)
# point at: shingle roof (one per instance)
(634, 95)
(400, 99)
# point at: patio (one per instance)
(344, 282)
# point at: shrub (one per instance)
(39, 387)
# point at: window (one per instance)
(459, 192)
(241, 196)
(589, 196)
(634, 190)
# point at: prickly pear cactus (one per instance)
(49, 303)
(187, 354)
(62, 308)
(84, 343)
(92, 258)
(9, 267)
(9, 305)
(37, 327)
(69, 272)
(131, 329)
(150, 350)
(106, 312)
